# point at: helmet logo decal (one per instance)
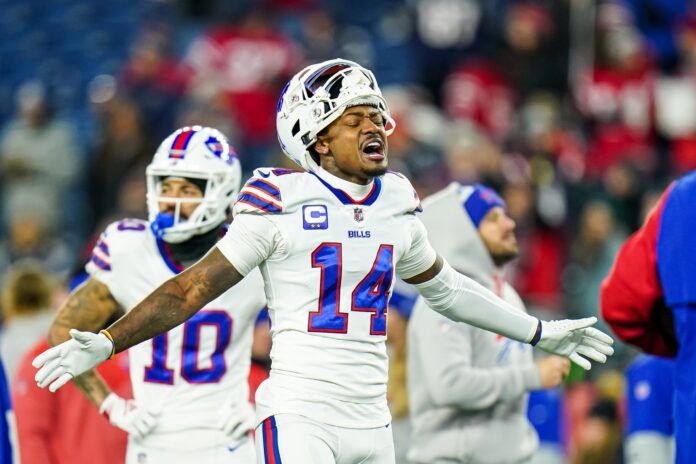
(181, 141)
(217, 148)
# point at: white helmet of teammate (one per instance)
(317, 96)
(203, 155)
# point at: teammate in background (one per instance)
(190, 384)
(649, 397)
(468, 387)
(328, 242)
(26, 312)
(648, 299)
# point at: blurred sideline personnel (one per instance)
(649, 299)
(649, 396)
(26, 312)
(8, 447)
(468, 388)
(328, 242)
(190, 384)
(65, 428)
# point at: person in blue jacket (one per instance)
(649, 299)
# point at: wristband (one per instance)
(537, 335)
(113, 344)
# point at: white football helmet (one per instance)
(195, 153)
(317, 96)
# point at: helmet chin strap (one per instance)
(193, 249)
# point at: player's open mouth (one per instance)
(373, 149)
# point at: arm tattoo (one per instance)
(92, 386)
(175, 300)
(87, 308)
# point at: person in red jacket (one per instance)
(64, 427)
(649, 299)
(631, 297)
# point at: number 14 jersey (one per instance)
(328, 256)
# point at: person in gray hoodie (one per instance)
(468, 388)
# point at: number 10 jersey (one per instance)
(197, 370)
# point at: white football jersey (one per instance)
(196, 370)
(328, 261)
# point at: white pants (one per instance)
(293, 439)
(243, 453)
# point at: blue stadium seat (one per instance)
(66, 43)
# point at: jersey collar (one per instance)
(169, 260)
(344, 197)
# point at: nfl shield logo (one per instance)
(358, 214)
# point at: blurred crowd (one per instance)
(579, 112)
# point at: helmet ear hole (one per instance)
(315, 156)
(296, 128)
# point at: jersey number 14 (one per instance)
(370, 295)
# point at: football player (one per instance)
(190, 383)
(329, 242)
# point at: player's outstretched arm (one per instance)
(176, 300)
(168, 306)
(462, 299)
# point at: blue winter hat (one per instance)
(481, 200)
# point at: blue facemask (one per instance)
(162, 222)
